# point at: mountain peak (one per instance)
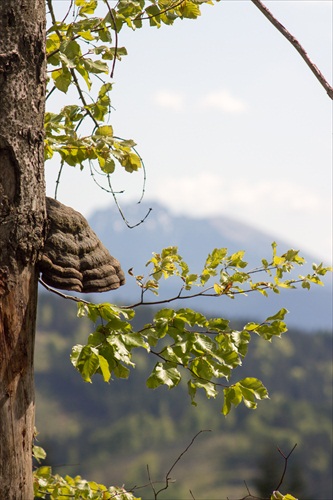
(195, 238)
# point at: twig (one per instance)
(285, 464)
(121, 212)
(50, 7)
(204, 293)
(68, 11)
(295, 43)
(82, 98)
(286, 458)
(150, 481)
(143, 169)
(63, 295)
(115, 36)
(58, 179)
(167, 477)
(50, 93)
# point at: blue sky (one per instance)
(228, 119)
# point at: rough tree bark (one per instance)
(22, 216)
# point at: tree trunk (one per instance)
(22, 216)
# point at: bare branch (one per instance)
(63, 295)
(150, 481)
(285, 457)
(295, 43)
(116, 38)
(167, 477)
(120, 210)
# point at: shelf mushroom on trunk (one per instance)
(73, 257)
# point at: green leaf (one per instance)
(62, 79)
(279, 315)
(121, 371)
(218, 289)
(207, 386)
(247, 390)
(87, 362)
(84, 73)
(105, 131)
(232, 395)
(254, 386)
(189, 10)
(97, 338)
(164, 373)
(109, 166)
(216, 257)
(218, 324)
(267, 331)
(276, 495)
(95, 66)
(306, 284)
(192, 390)
(104, 368)
(86, 6)
(44, 471)
(133, 339)
(38, 453)
(72, 49)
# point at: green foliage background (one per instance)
(110, 432)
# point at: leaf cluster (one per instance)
(53, 486)
(229, 274)
(82, 52)
(184, 340)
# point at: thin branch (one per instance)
(144, 175)
(94, 171)
(68, 11)
(50, 93)
(150, 481)
(167, 477)
(143, 169)
(285, 457)
(115, 36)
(63, 295)
(83, 100)
(121, 212)
(50, 7)
(58, 179)
(295, 43)
(204, 293)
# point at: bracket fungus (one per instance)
(73, 257)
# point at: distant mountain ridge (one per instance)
(195, 238)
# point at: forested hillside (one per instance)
(111, 432)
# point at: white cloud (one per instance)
(282, 208)
(223, 100)
(206, 194)
(169, 99)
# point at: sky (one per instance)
(228, 119)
